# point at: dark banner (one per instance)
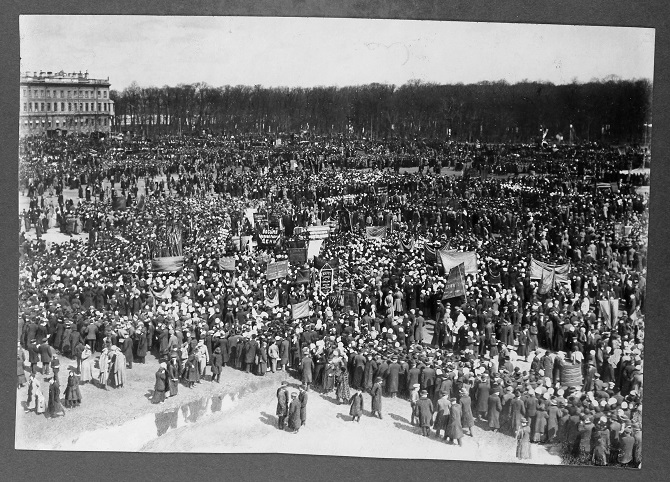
(351, 301)
(455, 284)
(297, 256)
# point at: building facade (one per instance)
(64, 103)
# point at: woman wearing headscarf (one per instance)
(72, 392)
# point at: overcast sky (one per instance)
(276, 51)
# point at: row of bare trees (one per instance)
(608, 110)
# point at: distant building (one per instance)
(64, 103)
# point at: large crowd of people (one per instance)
(546, 364)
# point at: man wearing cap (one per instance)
(424, 412)
(454, 431)
(307, 369)
(392, 377)
(376, 393)
(282, 404)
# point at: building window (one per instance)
(57, 124)
(55, 106)
(105, 120)
(61, 94)
(62, 106)
(86, 94)
(48, 94)
(42, 107)
(25, 107)
(54, 94)
(48, 106)
(81, 107)
(86, 104)
(104, 94)
(49, 123)
(25, 92)
(69, 94)
(99, 108)
(25, 122)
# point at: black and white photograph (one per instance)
(352, 237)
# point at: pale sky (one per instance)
(280, 51)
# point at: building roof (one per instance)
(61, 77)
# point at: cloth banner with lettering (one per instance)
(277, 270)
(375, 232)
(300, 310)
(550, 275)
(455, 284)
(452, 258)
(227, 263)
(167, 263)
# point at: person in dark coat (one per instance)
(172, 375)
(127, 349)
(376, 393)
(191, 374)
(307, 370)
(224, 345)
(72, 392)
(282, 404)
(294, 413)
(517, 412)
(482, 392)
(54, 406)
(141, 349)
(424, 411)
(358, 370)
(302, 397)
(284, 349)
(356, 406)
(454, 432)
(494, 407)
(468, 420)
(217, 364)
(393, 377)
(161, 384)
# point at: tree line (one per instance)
(608, 110)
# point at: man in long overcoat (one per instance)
(294, 413)
(376, 393)
(282, 404)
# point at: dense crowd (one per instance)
(100, 301)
